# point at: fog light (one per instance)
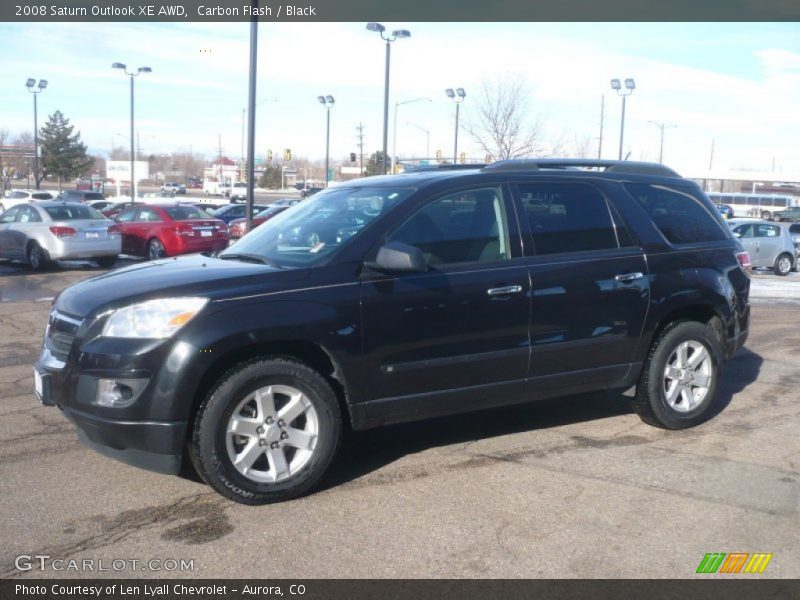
(118, 392)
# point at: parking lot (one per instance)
(574, 487)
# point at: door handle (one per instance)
(504, 291)
(627, 277)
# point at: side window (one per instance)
(148, 214)
(126, 216)
(568, 217)
(28, 215)
(767, 231)
(681, 217)
(10, 215)
(465, 227)
(745, 231)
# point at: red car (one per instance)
(159, 230)
(239, 226)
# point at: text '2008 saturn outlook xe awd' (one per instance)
(396, 298)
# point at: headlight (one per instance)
(153, 319)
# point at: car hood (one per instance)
(194, 275)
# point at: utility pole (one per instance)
(602, 114)
(360, 136)
(219, 159)
(711, 159)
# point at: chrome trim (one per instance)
(48, 361)
(62, 317)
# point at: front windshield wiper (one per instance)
(254, 258)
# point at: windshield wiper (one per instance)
(254, 258)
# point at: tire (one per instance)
(155, 249)
(783, 265)
(268, 478)
(38, 258)
(766, 215)
(106, 262)
(652, 399)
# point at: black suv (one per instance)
(430, 293)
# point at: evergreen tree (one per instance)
(271, 178)
(63, 154)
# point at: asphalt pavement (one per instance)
(573, 487)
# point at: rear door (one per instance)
(126, 222)
(590, 286)
(747, 236)
(770, 243)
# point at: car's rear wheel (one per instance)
(267, 432)
(783, 265)
(155, 249)
(106, 262)
(38, 258)
(679, 381)
(766, 215)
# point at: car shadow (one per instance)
(365, 451)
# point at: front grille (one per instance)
(61, 330)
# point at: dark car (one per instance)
(789, 214)
(79, 196)
(460, 290)
(725, 210)
(229, 212)
(310, 191)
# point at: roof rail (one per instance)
(624, 167)
(443, 167)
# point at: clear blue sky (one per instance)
(737, 83)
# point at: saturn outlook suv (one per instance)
(423, 294)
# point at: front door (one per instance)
(590, 288)
(456, 334)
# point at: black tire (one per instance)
(209, 453)
(155, 249)
(766, 215)
(650, 401)
(783, 265)
(38, 258)
(106, 262)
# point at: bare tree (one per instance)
(501, 122)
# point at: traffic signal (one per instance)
(287, 154)
(352, 157)
(463, 157)
(269, 155)
(438, 155)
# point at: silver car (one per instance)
(768, 244)
(42, 232)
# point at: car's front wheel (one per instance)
(267, 432)
(783, 265)
(679, 381)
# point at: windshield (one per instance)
(312, 230)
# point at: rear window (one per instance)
(794, 228)
(42, 196)
(182, 213)
(681, 217)
(72, 213)
(94, 196)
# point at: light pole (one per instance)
(394, 134)
(40, 88)
(630, 85)
(661, 126)
(396, 34)
(427, 133)
(457, 97)
(135, 73)
(327, 102)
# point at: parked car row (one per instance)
(770, 245)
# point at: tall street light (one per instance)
(327, 102)
(394, 134)
(427, 133)
(396, 34)
(39, 89)
(661, 127)
(457, 97)
(630, 85)
(133, 74)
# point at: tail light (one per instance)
(113, 229)
(61, 232)
(184, 229)
(223, 228)
(744, 261)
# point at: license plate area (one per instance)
(92, 235)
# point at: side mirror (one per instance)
(399, 257)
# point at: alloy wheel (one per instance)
(688, 376)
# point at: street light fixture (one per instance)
(30, 84)
(395, 35)
(133, 74)
(456, 96)
(394, 134)
(327, 102)
(661, 126)
(630, 85)
(427, 133)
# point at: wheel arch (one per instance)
(705, 313)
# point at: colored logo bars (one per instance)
(735, 562)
